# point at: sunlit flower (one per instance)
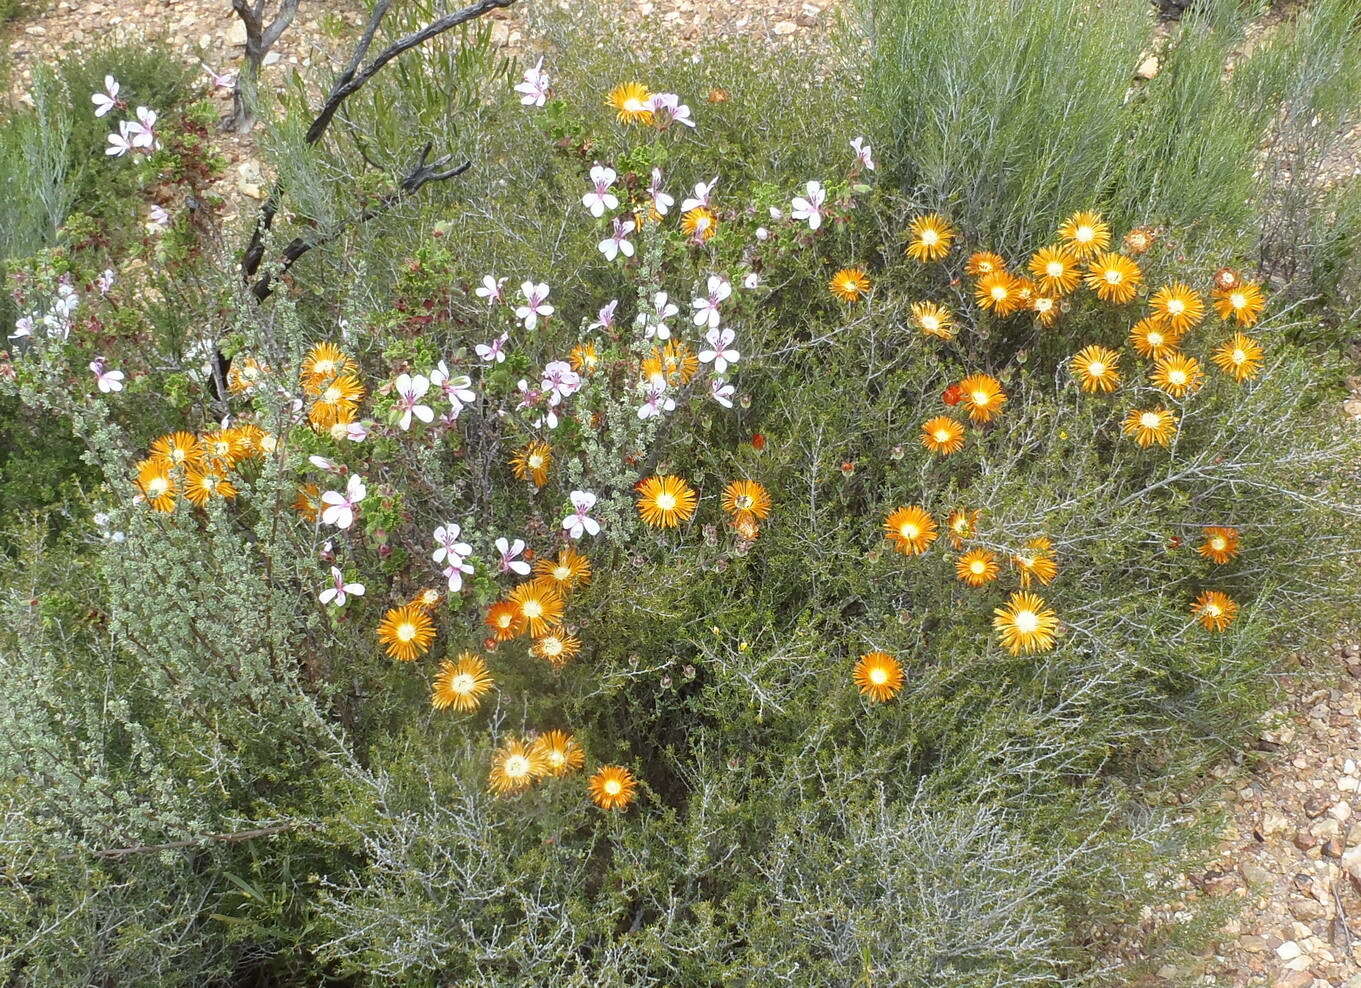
(1242, 303)
(721, 391)
(706, 309)
(1056, 269)
(323, 363)
(1086, 233)
(1156, 425)
(108, 99)
(456, 388)
(1214, 610)
(961, 525)
(340, 507)
(510, 556)
(943, 435)
(533, 89)
(1097, 368)
(201, 486)
(934, 320)
(584, 358)
(1177, 306)
(514, 768)
(977, 567)
(1150, 338)
(427, 599)
(531, 462)
(1026, 624)
(656, 402)
(864, 154)
(665, 501)
(878, 676)
(612, 787)
(336, 402)
(746, 498)
(600, 198)
(721, 352)
(700, 224)
(448, 549)
(617, 243)
(504, 620)
(702, 196)
(307, 503)
(1220, 545)
(661, 202)
(1114, 278)
(1046, 308)
(177, 449)
(632, 103)
(559, 752)
(998, 293)
(540, 605)
(222, 447)
(409, 391)
(556, 648)
(983, 396)
(340, 591)
(1240, 357)
(157, 484)
(568, 570)
(105, 379)
(1178, 375)
(536, 304)
(929, 237)
(406, 633)
(580, 522)
(849, 284)
(984, 262)
(492, 289)
(809, 206)
(911, 530)
(460, 684)
(1139, 240)
(1036, 562)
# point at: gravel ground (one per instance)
(1291, 851)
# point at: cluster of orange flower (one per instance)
(332, 387)
(521, 762)
(200, 466)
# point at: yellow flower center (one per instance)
(551, 646)
(1026, 621)
(535, 461)
(1212, 610)
(1150, 420)
(930, 237)
(666, 502)
(930, 323)
(1113, 276)
(942, 435)
(517, 766)
(1238, 300)
(878, 675)
(331, 395)
(1084, 234)
(158, 486)
(1239, 357)
(1176, 376)
(532, 609)
(1176, 307)
(981, 397)
(562, 573)
(178, 455)
(613, 787)
(1155, 339)
(324, 368)
(1026, 561)
(1218, 542)
(406, 631)
(504, 621)
(999, 292)
(1096, 368)
(977, 567)
(1043, 304)
(744, 501)
(556, 758)
(462, 683)
(1054, 269)
(339, 431)
(908, 530)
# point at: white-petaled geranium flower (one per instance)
(536, 304)
(605, 317)
(617, 242)
(510, 552)
(600, 198)
(457, 388)
(809, 206)
(654, 322)
(143, 136)
(410, 390)
(752, 280)
(322, 463)
(655, 402)
(720, 352)
(106, 380)
(721, 391)
(449, 548)
(23, 326)
(218, 81)
(454, 574)
(340, 508)
(490, 289)
(706, 309)
(661, 202)
(105, 281)
(158, 220)
(579, 521)
(108, 99)
(340, 591)
(668, 109)
(864, 154)
(121, 141)
(702, 196)
(560, 381)
(533, 398)
(493, 352)
(534, 89)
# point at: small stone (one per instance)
(272, 58)
(784, 27)
(1288, 951)
(1307, 909)
(236, 34)
(1255, 873)
(1316, 805)
(1340, 811)
(1148, 68)
(1253, 944)
(1304, 840)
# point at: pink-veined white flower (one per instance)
(158, 220)
(600, 198)
(105, 281)
(142, 134)
(493, 352)
(534, 89)
(108, 99)
(560, 381)
(490, 289)
(661, 202)
(668, 109)
(23, 326)
(122, 140)
(218, 80)
(106, 380)
(340, 508)
(617, 242)
(454, 573)
(654, 322)
(456, 388)
(721, 391)
(322, 463)
(510, 561)
(340, 591)
(536, 304)
(809, 206)
(605, 317)
(579, 522)
(655, 402)
(355, 432)
(864, 154)
(448, 548)
(410, 390)
(702, 196)
(752, 280)
(706, 309)
(720, 352)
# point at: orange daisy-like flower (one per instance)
(700, 224)
(427, 599)
(406, 632)
(911, 530)
(531, 462)
(1156, 425)
(982, 394)
(568, 570)
(943, 435)
(1036, 562)
(514, 767)
(849, 284)
(665, 501)
(746, 528)
(961, 525)
(559, 752)
(323, 363)
(1178, 375)
(308, 502)
(1177, 306)
(1026, 624)
(998, 293)
(1139, 240)
(984, 262)
(934, 320)
(556, 649)
(1214, 610)
(1097, 368)
(201, 486)
(540, 605)
(584, 358)
(460, 684)
(1114, 278)
(244, 375)
(157, 484)
(746, 498)
(1085, 233)
(977, 567)
(504, 620)
(336, 402)
(1057, 270)
(1150, 338)
(1242, 303)
(222, 448)
(1047, 309)
(632, 103)
(929, 238)
(177, 449)
(254, 441)
(1220, 545)
(612, 787)
(671, 365)
(1240, 357)
(879, 676)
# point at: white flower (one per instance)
(810, 207)
(605, 317)
(105, 281)
(121, 143)
(340, 591)
(600, 198)
(776, 213)
(864, 154)
(490, 289)
(560, 381)
(410, 390)
(536, 304)
(701, 196)
(617, 243)
(534, 89)
(669, 109)
(321, 463)
(509, 552)
(721, 391)
(656, 402)
(454, 574)
(720, 350)
(762, 233)
(752, 280)
(23, 326)
(355, 432)
(218, 81)
(654, 323)
(661, 202)
(108, 99)
(457, 389)
(339, 510)
(157, 220)
(106, 380)
(143, 136)
(706, 309)
(450, 550)
(579, 522)
(493, 352)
